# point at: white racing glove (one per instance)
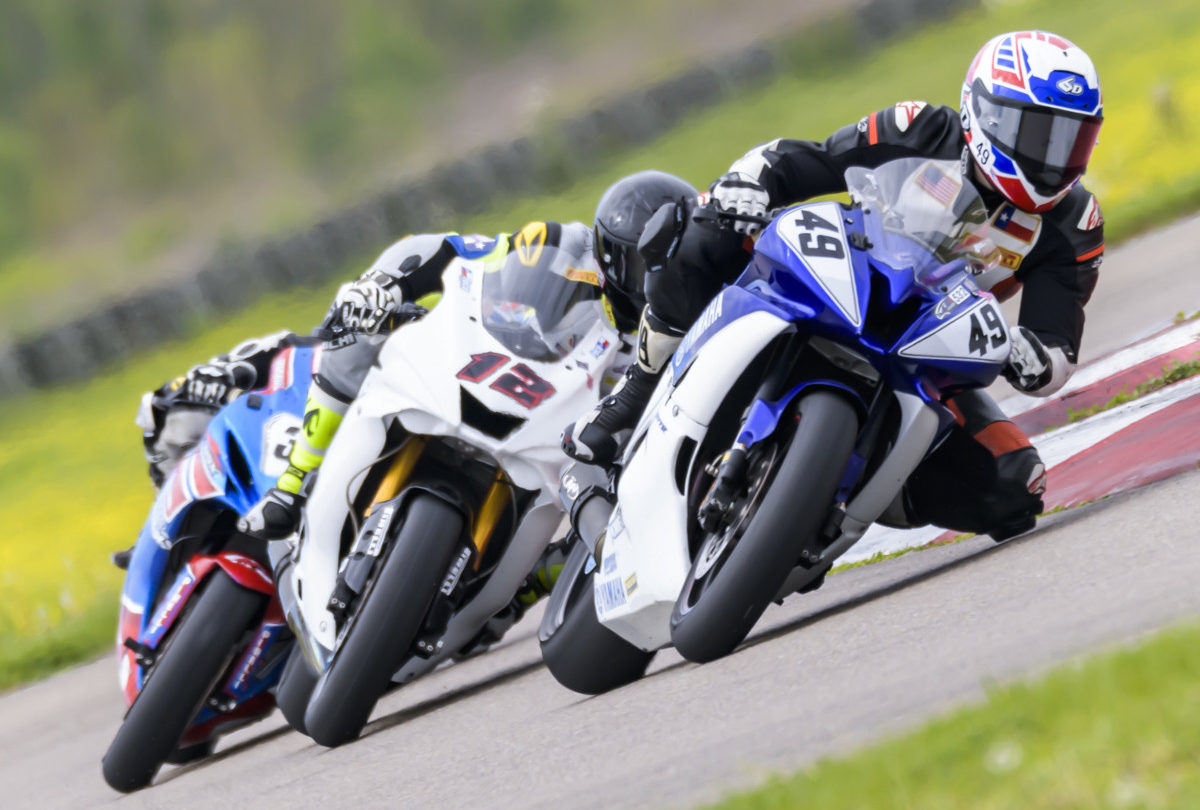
(362, 306)
(1029, 366)
(739, 193)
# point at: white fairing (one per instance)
(645, 556)
(415, 381)
(978, 334)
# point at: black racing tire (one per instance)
(710, 619)
(197, 655)
(295, 687)
(582, 654)
(386, 623)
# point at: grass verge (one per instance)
(1172, 373)
(1120, 730)
(72, 481)
(76, 638)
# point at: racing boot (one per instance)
(541, 579)
(595, 439)
(538, 584)
(277, 515)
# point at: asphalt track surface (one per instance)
(876, 651)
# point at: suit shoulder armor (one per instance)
(472, 246)
(1079, 219)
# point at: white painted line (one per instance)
(1105, 367)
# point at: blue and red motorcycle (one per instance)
(202, 639)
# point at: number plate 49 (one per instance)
(977, 334)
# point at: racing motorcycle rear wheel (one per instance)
(386, 622)
(296, 684)
(582, 654)
(738, 570)
(198, 653)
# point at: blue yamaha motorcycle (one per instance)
(201, 638)
(793, 412)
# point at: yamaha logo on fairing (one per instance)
(707, 318)
(1070, 86)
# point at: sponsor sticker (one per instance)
(952, 300)
(630, 584)
(610, 595)
(583, 275)
(456, 570)
(570, 486)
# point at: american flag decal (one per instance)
(939, 186)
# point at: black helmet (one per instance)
(621, 215)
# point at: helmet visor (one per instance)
(1052, 148)
(621, 264)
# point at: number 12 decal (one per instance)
(520, 382)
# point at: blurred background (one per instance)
(139, 136)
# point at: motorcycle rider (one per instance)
(174, 415)
(406, 279)
(1030, 113)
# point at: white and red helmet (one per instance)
(1031, 111)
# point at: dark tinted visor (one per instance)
(1052, 148)
(621, 264)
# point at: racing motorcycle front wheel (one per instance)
(582, 654)
(386, 622)
(198, 652)
(789, 491)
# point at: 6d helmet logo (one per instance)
(1070, 86)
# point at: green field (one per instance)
(1117, 731)
(72, 482)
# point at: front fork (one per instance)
(729, 471)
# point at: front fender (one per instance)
(724, 356)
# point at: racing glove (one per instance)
(1029, 367)
(361, 306)
(211, 383)
(274, 517)
(739, 193)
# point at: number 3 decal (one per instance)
(520, 383)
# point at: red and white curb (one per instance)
(1128, 446)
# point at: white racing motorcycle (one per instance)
(439, 491)
(792, 414)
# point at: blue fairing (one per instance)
(227, 470)
(862, 297)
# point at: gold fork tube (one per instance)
(493, 506)
(401, 469)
